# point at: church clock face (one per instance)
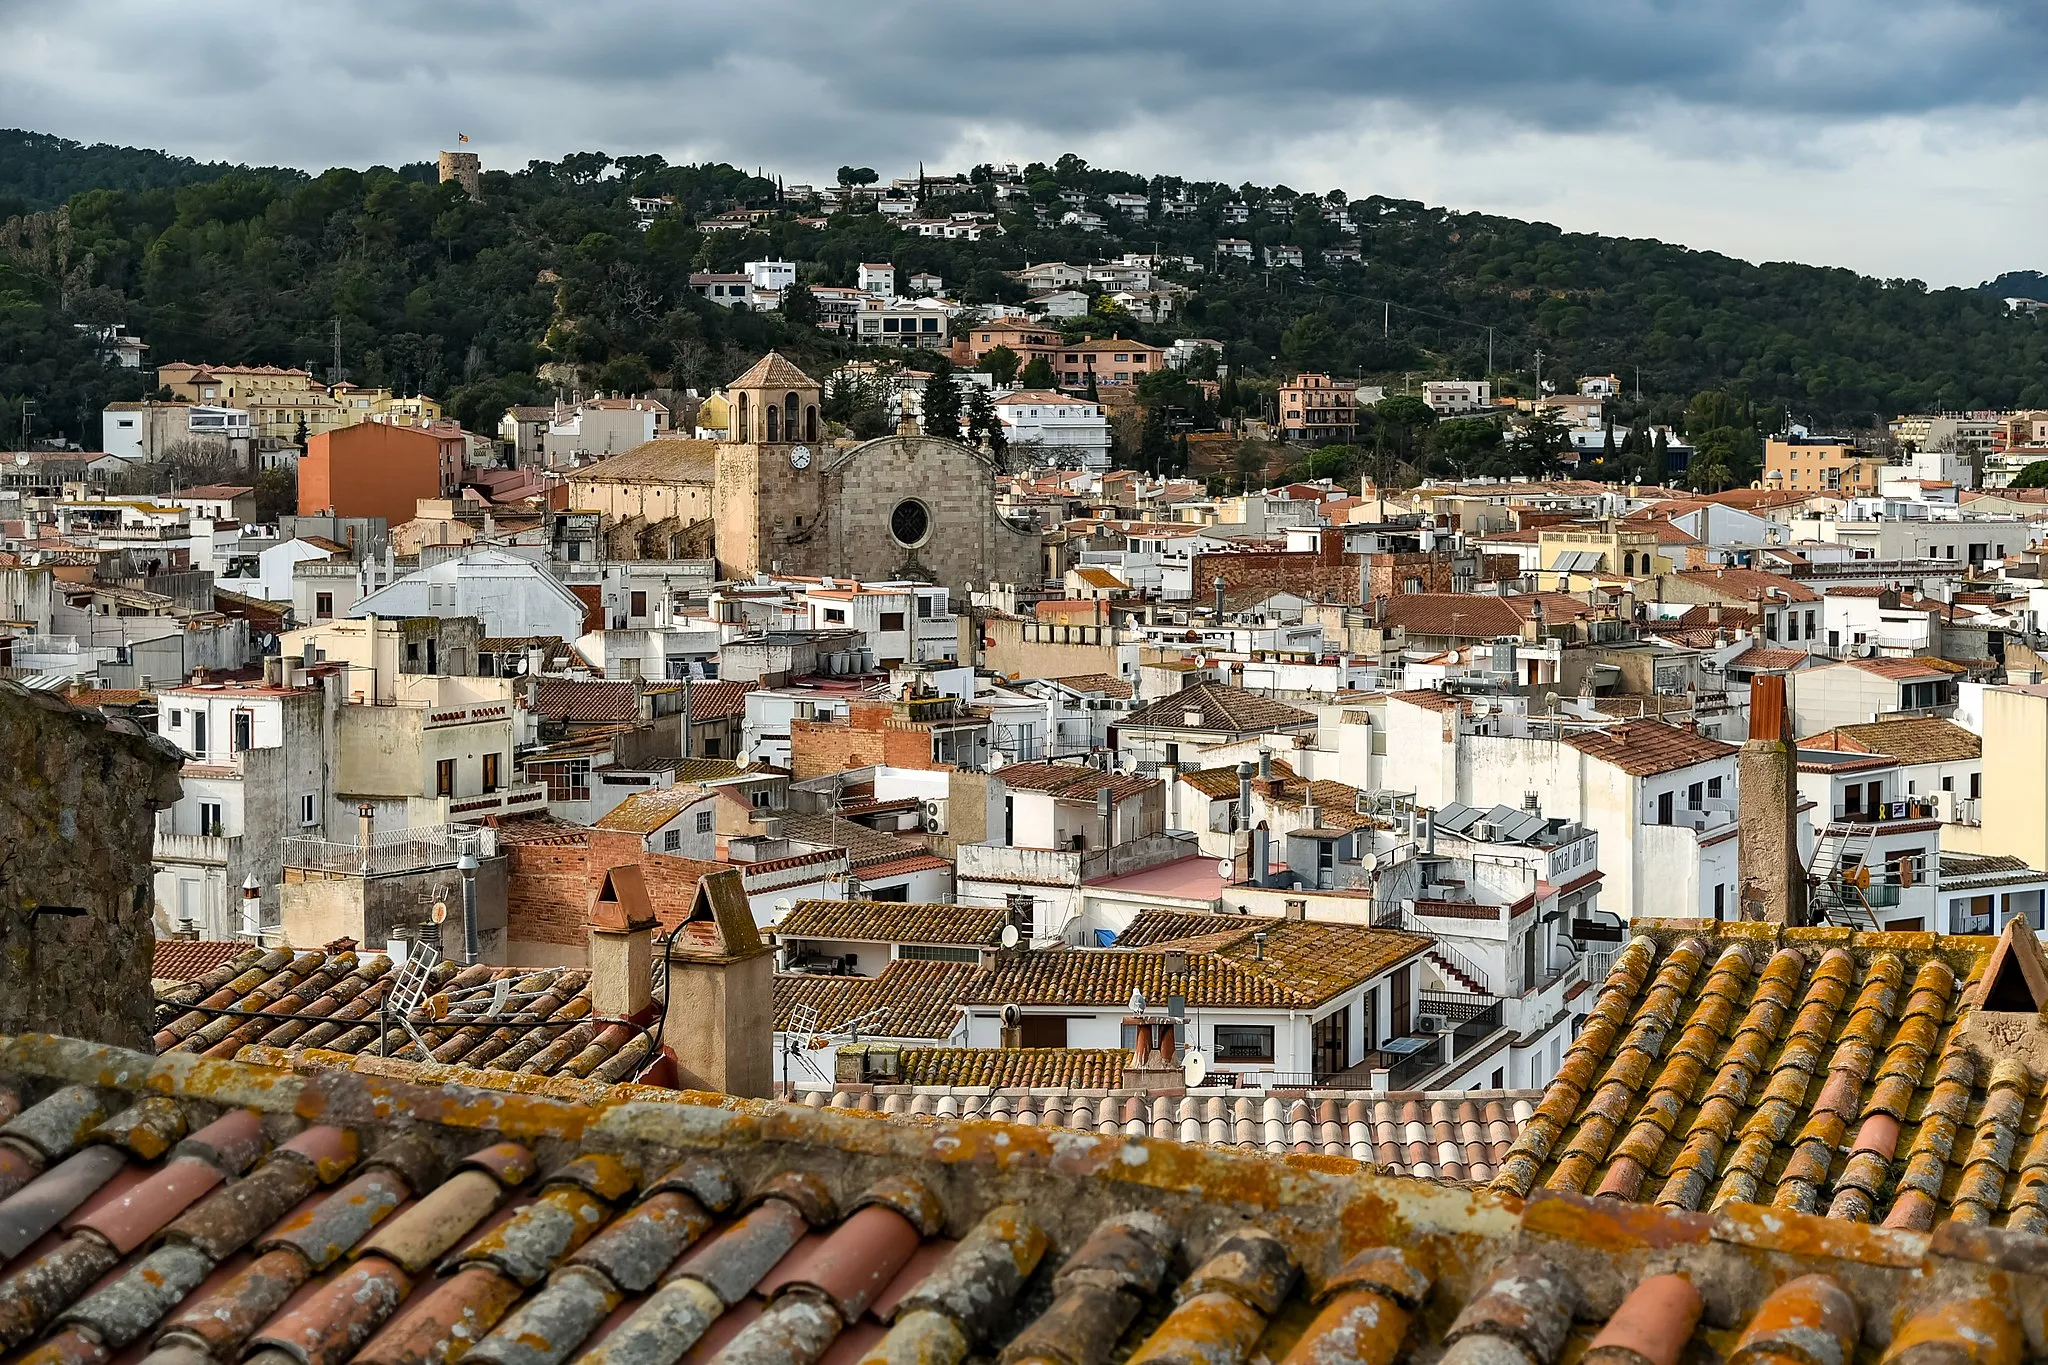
(800, 457)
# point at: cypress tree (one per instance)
(942, 402)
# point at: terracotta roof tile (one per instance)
(1909, 739)
(1103, 683)
(1015, 1067)
(1816, 1070)
(647, 811)
(1219, 707)
(545, 1028)
(1452, 1136)
(719, 700)
(512, 1213)
(586, 700)
(862, 921)
(1644, 748)
(189, 959)
(919, 996)
(1746, 585)
(1299, 964)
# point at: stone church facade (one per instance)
(907, 506)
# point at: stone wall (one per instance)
(77, 820)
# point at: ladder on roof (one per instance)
(1841, 873)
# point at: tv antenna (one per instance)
(804, 1036)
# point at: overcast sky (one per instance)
(1897, 137)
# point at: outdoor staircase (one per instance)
(1440, 955)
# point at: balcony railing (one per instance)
(1911, 808)
(393, 850)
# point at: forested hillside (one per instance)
(467, 300)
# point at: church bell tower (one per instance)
(769, 498)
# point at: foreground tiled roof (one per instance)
(1220, 707)
(861, 921)
(548, 1028)
(381, 1211)
(1458, 1136)
(1816, 1070)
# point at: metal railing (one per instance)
(1476, 1030)
(394, 850)
(1390, 915)
(1403, 1072)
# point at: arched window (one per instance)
(771, 412)
(811, 422)
(790, 410)
(1628, 563)
(742, 433)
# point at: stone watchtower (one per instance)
(769, 498)
(465, 170)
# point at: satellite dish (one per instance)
(1194, 1069)
(1009, 938)
(440, 912)
(1012, 1016)
(21, 460)
(1226, 868)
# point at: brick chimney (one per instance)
(621, 945)
(1773, 883)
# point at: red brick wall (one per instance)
(869, 735)
(551, 886)
(1327, 574)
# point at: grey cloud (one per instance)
(1223, 87)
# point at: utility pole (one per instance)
(334, 375)
(1539, 374)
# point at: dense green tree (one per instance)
(2034, 475)
(799, 305)
(941, 401)
(1466, 444)
(438, 293)
(1038, 374)
(628, 376)
(1155, 445)
(1001, 362)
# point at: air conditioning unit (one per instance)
(933, 807)
(1429, 1023)
(934, 825)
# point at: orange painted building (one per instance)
(372, 469)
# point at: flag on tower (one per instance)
(462, 137)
